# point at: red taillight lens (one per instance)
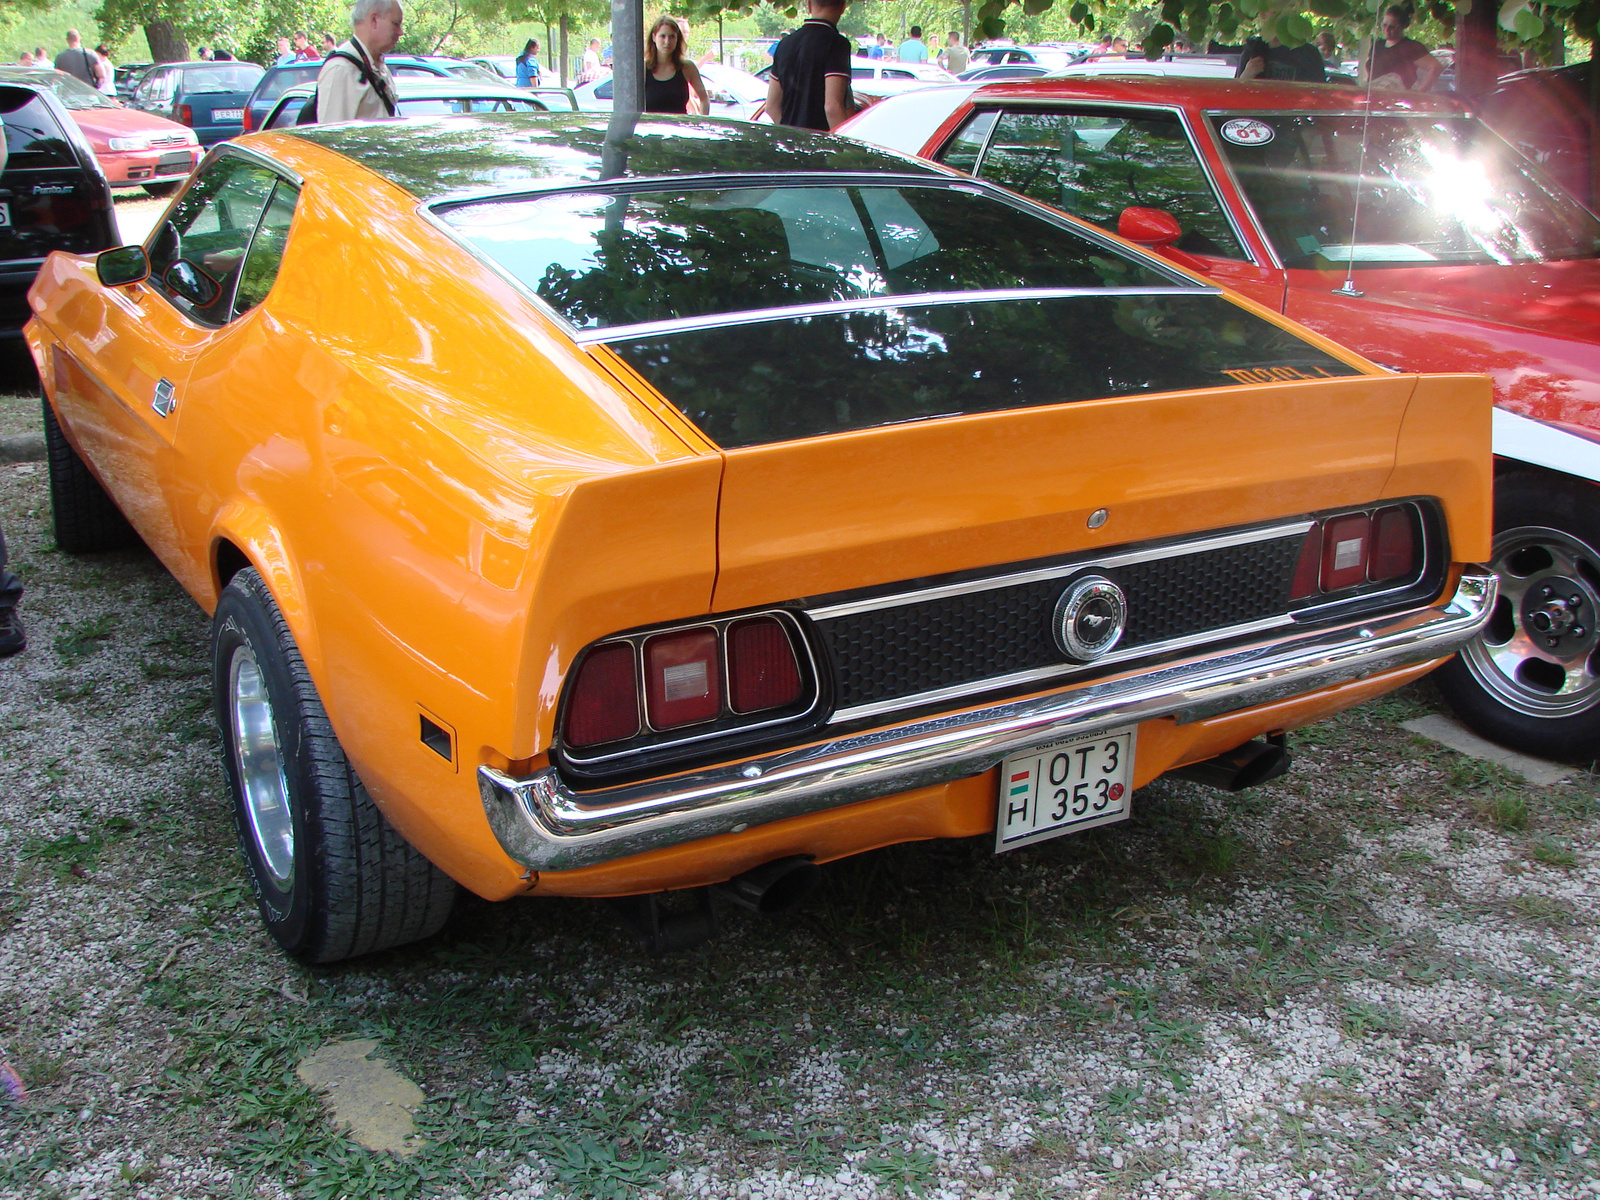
(1394, 545)
(682, 682)
(604, 705)
(1346, 545)
(1308, 571)
(762, 669)
(246, 121)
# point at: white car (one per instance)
(928, 72)
(1210, 66)
(733, 93)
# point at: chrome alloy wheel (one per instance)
(1540, 653)
(260, 767)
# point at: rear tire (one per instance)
(1531, 680)
(331, 877)
(86, 521)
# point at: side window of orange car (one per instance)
(1095, 164)
(198, 252)
(266, 249)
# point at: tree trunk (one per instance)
(966, 22)
(566, 79)
(627, 56)
(1477, 50)
(549, 49)
(166, 45)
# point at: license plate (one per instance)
(1064, 788)
(5, 214)
(227, 114)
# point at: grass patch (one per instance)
(83, 639)
(1552, 852)
(1506, 811)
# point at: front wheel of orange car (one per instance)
(1531, 680)
(331, 877)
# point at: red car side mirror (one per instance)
(1153, 227)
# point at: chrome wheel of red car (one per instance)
(1532, 679)
(1538, 654)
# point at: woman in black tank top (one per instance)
(668, 75)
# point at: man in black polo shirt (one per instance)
(810, 81)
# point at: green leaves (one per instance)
(1158, 39)
(1034, 7)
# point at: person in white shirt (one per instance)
(592, 67)
(354, 84)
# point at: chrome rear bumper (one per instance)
(543, 824)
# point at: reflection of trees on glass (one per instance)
(1094, 165)
(1432, 190)
(778, 380)
(497, 151)
(604, 260)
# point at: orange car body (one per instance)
(451, 498)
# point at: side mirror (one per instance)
(1153, 227)
(125, 264)
(194, 285)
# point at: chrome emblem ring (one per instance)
(1090, 618)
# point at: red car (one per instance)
(134, 149)
(1406, 230)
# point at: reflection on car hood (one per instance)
(1560, 299)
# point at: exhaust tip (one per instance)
(1247, 766)
(773, 887)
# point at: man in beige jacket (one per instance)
(354, 84)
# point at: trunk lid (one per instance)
(859, 509)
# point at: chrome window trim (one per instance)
(637, 640)
(1061, 670)
(756, 316)
(946, 178)
(1062, 570)
(1188, 128)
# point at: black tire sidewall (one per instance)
(242, 619)
(1526, 499)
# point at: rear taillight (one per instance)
(683, 685)
(724, 672)
(1350, 550)
(762, 670)
(185, 114)
(1344, 551)
(246, 120)
(1394, 544)
(604, 702)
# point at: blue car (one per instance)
(209, 97)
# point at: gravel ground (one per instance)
(1373, 977)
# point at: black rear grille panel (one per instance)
(889, 653)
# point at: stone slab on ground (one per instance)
(1451, 733)
(372, 1101)
(22, 447)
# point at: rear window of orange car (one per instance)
(773, 313)
(637, 257)
(796, 377)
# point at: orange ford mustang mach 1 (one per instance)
(605, 507)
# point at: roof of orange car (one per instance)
(438, 158)
(1214, 94)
